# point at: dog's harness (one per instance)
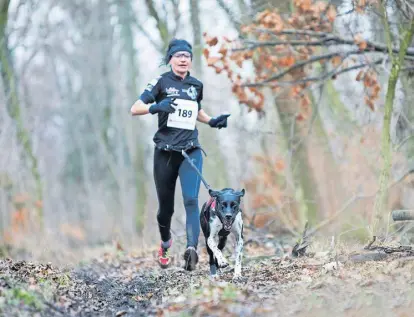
(212, 202)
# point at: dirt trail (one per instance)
(122, 284)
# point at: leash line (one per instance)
(196, 169)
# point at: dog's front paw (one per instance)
(237, 278)
(222, 263)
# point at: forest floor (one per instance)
(343, 281)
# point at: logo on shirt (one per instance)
(191, 92)
(172, 92)
(152, 83)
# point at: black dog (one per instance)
(220, 216)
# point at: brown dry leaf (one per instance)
(336, 60)
(331, 13)
(362, 44)
(229, 72)
(304, 5)
(300, 117)
(262, 15)
(370, 103)
(248, 54)
(218, 69)
(279, 165)
(212, 60)
(259, 105)
(305, 101)
(359, 76)
(360, 6)
(278, 26)
(245, 28)
(211, 41)
(376, 90)
(225, 38)
(320, 6)
(286, 61)
(239, 62)
(370, 80)
(206, 53)
(119, 246)
(223, 50)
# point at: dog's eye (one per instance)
(233, 204)
(224, 204)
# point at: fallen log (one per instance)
(402, 215)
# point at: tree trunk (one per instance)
(105, 39)
(126, 20)
(397, 61)
(196, 24)
(13, 107)
(304, 185)
(215, 166)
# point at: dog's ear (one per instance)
(213, 193)
(241, 193)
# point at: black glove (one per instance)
(219, 122)
(164, 105)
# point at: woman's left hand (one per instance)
(219, 122)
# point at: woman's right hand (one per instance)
(164, 105)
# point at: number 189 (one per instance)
(185, 113)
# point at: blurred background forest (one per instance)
(76, 167)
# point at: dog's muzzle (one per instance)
(227, 222)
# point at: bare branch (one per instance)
(177, 16)
(146, 34)
(302, 64)
(161, 25)
(328, 39)
(230, 13)
(323, 42)
(293, 32)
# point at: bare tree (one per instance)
(10, 86)
(136, 149)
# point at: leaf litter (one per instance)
(124, 284)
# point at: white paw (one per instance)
(213, 277)
(237, 278)
(222, 263)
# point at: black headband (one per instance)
(178, 46)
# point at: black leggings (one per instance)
(168, 165)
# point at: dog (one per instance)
(218, 217)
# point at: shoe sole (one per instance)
(164, 266)
(191, 260)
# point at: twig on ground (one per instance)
(374, 238)
(300, 247)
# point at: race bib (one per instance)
(185, 115)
